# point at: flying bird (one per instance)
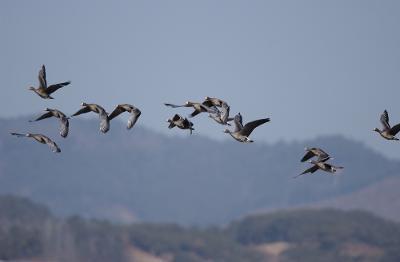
(322, 165)
(41, 139)
(213, 101)
(222, 116)
(64, 123)
(134, 113)
(242, 133)
(43, 90)
(180, 122)
(314, 151)
(104, 121)
(387, 132)
(198, 108)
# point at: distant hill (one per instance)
(140, 175)
(284, 236)
(381, 198)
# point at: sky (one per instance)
(314, 67)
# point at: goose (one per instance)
(322, 166)
(241, 132)
(134, 113)
(213, 101)
(64, 127)
(104, 121)
(314, 151)
(41, 139)
(43, 90)
(180, 122)
(387, 132)
(198, 108)
(222, 117)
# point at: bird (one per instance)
(43, 90)
(242, 133)
(222, 116)
(213, 101)
(41, 139)
(322, 165)
(104, 121)
(180, 122)
(64, 127)
(134, 113)
(198, 108)
(387, 132)
(314, 151)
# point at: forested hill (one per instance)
(140, 175)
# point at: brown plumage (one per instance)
(43, 90)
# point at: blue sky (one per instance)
(314, 67)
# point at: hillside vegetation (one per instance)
(285, 236)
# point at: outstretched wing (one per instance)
(249, 127)
(117, 111)
(310, 170)
(194, 113)
(175, 106)
(238, 120)
(104, 122)
(18, 134)
(83, 110)
(395, 129)
(134, 116)
(307, 156)
(225, 113)
(42, 77)
(64, 127)
(55, 87)
(44, 116)
(53, 146)
(385, 120)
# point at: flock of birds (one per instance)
(217, 109)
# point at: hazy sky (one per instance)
(315, 67)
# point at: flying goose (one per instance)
(180, 122)
(198, 108)
(322, 166)
(314, 151)
(104, 121)
(41, 139)
(43, 90)
(134, 113)
(241, 132)
(212, 101)
(64, 127)
(387, 132)
(222, 116)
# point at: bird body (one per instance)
(222, 117)
(104, 121)
(41, 139)
(134, 113)
(321, 164)
(64, 123)
(314, 151)
(387, 132)
(43, 90)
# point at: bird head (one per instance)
(31, 88)
(376, 130)
(227, 131)
(83, 104)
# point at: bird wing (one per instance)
(64, 127)
(307, 156)
(249, 127)
(104, 122)
(225, 113)
(310, 170)
(385, 120)
(194, 113)
(117, 111)
(42, 77)
(55, 87)
(395, 129)
(53, 146)
(44, 116)
(238, 120)
(18, 134)
(83, 110)
(175, 106)
(134, 116)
